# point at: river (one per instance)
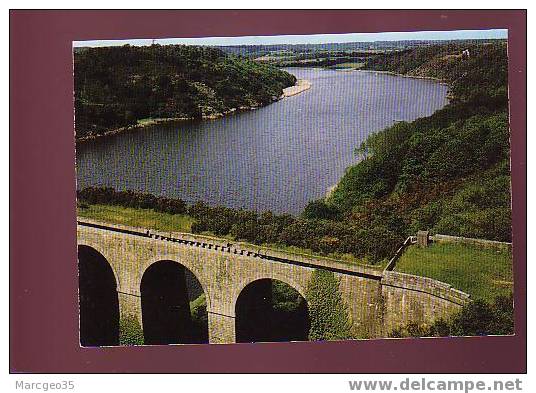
(276, 158)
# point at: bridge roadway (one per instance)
(377, 300)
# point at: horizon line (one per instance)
(306, 39)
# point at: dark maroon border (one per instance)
(43, 285)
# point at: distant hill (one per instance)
(470, 68)
(118, 86)
(373, 46)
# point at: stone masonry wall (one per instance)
(409, 298)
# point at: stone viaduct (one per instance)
(377, 300)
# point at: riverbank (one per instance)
(300, 86)
(441, 81)
(332, 189)
(341, 69)
(448, 197)
(143, 123)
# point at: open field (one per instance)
(345, 258)
(143, 218)
(484, 273)
(348, 66)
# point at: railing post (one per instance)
(422, 239)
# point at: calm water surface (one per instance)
(276, 158)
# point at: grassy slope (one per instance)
(482, 272)
(350, 65)
(144, 218)
(148, 218)
(345, 258)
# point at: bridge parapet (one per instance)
(241, 248)
(426, 285)
(438, 238)
(416, 299)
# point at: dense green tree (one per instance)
(129, 198)
(130, 331)
(319, 209)
(328, 313)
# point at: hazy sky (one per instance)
(309, 39)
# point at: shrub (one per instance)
(130, 331)
(319, 209)
(198, 312)
(480, 318)
(412, 329)
(328, 314)
(380, 242)
(477, 318)
(133, 199)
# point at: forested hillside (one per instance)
(117, 86)
(449, 172)
(481, 72)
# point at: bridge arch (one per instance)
(271, 309)
(288, 279)
(167, 288)
(194, 270)
(98, 299)
(101, 251)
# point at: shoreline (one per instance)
(300, 86)
(152, 122)
(441, 81)
(331, 189)
(431, 78)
